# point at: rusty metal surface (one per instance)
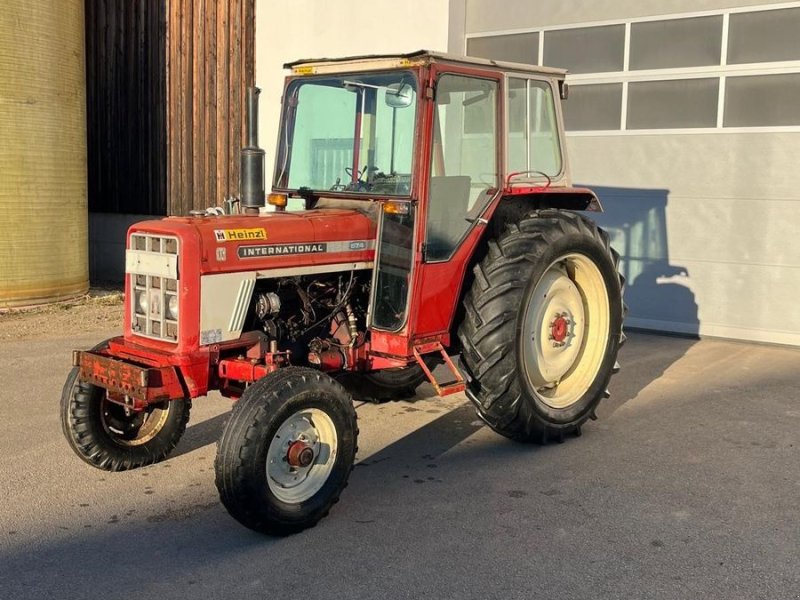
(145, 384)
(113, 375)
(442, 389)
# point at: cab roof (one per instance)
(371, 62)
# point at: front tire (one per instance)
(104, 436)
(543, 326)
(287, 451)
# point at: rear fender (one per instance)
(513, 205)
(568, 198)
(518, 202)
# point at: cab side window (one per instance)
(463, 160)
(532, 128)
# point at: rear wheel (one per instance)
(104, 435)
(543, 326)
(287, 451)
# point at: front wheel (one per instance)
(106, 436)
(287, 451)
(543, 326)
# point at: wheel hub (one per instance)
(300, 454)
(558, 329)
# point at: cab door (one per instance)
(464, 167)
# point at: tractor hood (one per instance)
(276, 240)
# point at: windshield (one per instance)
(352, 133)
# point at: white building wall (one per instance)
(295, 29)
(729, 264)
(709, 220)
(496, 15)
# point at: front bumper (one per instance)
(128, 381)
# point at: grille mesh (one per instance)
(153, 295)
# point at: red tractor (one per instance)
(438, 219)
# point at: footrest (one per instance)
(451, 388)
(443, 389)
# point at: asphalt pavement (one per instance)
(688, 486)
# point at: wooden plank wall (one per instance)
(210, 65)
(126, 105)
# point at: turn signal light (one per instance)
(277, 200)
(395, 208)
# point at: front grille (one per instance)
(154, 301)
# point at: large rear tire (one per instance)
(103, 435)
(287, 451)
(542, 326)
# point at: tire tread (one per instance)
(243, 436)
(488, 330)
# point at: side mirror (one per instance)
(399, 95)
(563, 89)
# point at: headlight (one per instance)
(172, 308)
(141, 302)
(149, 304)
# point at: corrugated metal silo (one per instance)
(43, 218)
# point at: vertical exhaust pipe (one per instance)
(251, 171)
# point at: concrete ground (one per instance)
(688, 486)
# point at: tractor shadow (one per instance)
(643, 360)
(429, 441)
(200, 435)
(207, 432)
(658, 293)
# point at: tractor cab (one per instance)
(435, 141)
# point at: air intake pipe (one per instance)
(251, 172)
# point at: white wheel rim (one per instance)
(565, 330)
(291, 481)
(152, 424)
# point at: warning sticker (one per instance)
(212, 336)
(240, 235)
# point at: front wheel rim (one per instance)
(565, 330)
(135, 429)
(301, 455)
